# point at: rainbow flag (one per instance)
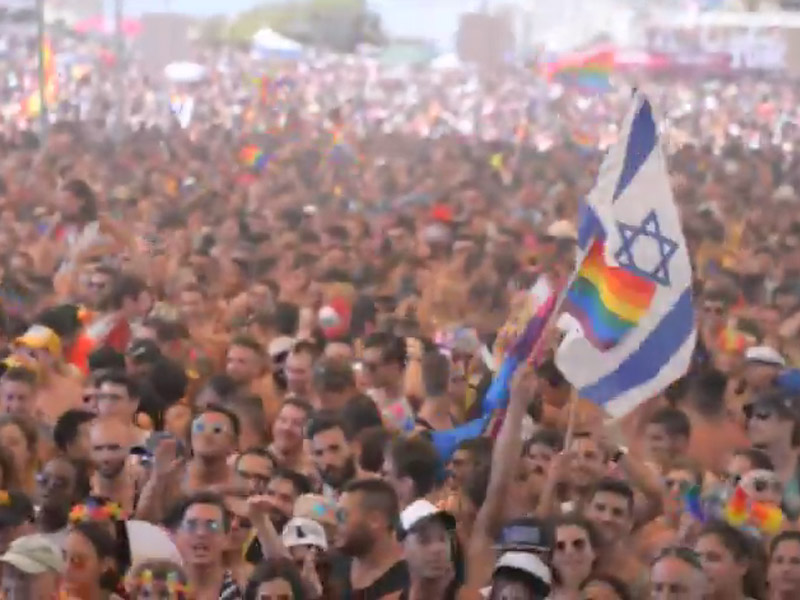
(253, 157)
(607, 301)
(587, 70)
(584, 141)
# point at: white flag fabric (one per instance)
(630, 311)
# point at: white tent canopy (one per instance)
(270, 44)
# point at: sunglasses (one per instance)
(579, 545)
(678, 485)
(200, 426)
(201, 525)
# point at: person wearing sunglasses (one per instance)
(730, 562)
(772, 426)
(203, 533)
(663, 531)
(677, 574)
(574, 556)
(215, 433)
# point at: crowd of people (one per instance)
(242, 353)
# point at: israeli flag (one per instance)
(632, 212)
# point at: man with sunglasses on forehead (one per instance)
(772, 426)
(202, 535)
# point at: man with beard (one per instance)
(331, 452)
(57, 489)
(428, 540)
(113, 479)
(369, 512)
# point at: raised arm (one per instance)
(505, 458)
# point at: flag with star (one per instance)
(628, 318)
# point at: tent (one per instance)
(270, 44)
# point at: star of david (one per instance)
(649, 228)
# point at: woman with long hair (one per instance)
(91, 571)
(19, 438)
(574, 556)
(731, 562)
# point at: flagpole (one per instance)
(40, 34)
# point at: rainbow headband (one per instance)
(175, 587)
(106, 512)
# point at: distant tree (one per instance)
(339, 24)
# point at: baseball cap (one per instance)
(527, 563)
(764, 355)
(34, 554)
(144, 351)
(317, 508)
(304, 532)
(526, 534)
(15, 508)
(422, 510)
(39, 337)
(782, 403)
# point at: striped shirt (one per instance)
(230, 589)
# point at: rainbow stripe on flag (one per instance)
(253, 157)
(607, 301)
(587, 70)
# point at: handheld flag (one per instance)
(630, 304)
(498, 393)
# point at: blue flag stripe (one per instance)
(641, 143)
(647, 360)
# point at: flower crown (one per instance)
(175, 587)
(97, 512)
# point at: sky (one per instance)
(432, 19)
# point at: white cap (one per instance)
(764, 355)
(562, 230)
(420, 510)
(34, 554)
(300, 531)
(527, 563)
(279, 345)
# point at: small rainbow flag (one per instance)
(607, 301)
(253, 157)
(584, 141)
